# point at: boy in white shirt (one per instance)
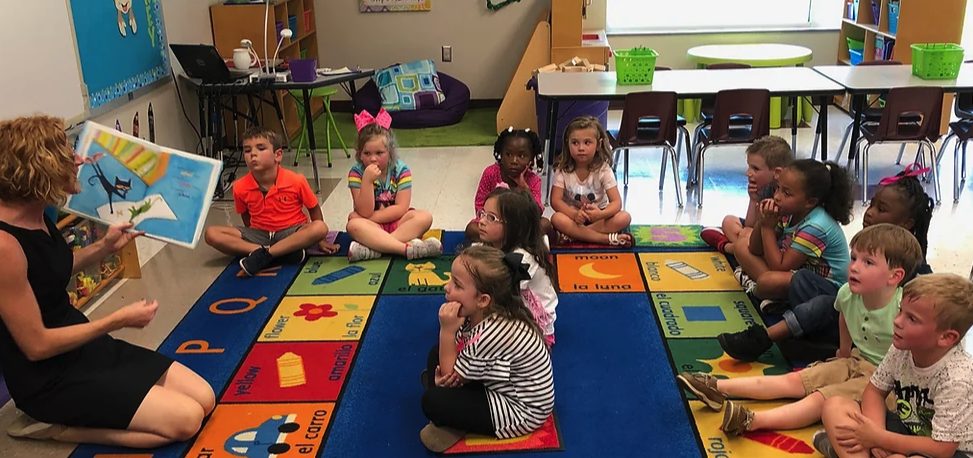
(930, 374)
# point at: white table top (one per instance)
(761, 54)
(876, 79)
(688, 84)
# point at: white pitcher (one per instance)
(242, 59)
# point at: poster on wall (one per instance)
(121, 45)
(164, 192)
(385, 6)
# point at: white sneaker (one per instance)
(419, 249)
(359, 252)
(745, 281)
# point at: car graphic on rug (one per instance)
(264, 441)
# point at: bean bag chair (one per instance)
(448, 112)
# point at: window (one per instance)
(682, 15)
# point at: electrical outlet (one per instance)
(447, 53)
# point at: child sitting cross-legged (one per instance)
(271, 200)
(882, 256)
(810, 314)
(490, 374)
(766, 158)
(929, 375)
(584, 195)
(381, 191)
(517, 152)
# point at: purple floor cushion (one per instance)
(450, 111)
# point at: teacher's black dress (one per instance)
(100, 384)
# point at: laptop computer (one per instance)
(204, 62)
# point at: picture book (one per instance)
(164, 192)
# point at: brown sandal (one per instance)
(438, 439)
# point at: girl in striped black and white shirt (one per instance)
(491, 372)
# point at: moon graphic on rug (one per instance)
(588, 270)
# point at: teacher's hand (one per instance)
(136, 315)
(119, 235)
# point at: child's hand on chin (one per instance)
(449, 318)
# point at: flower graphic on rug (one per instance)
(312, 312)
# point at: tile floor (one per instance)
(445, 181)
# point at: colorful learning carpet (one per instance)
(322, 359)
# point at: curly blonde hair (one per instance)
(36, 160)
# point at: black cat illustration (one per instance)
(120, 188)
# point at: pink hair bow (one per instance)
(912, 170)
(365, 118)
(502, 185)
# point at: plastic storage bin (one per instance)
(936, 61)
(893, 16)
(856, 56)
(855, 44)
(635, 66)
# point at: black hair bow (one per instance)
(518, 269)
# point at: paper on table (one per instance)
(339, 71)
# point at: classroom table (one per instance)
(687, 84)
(212, 92)
(755, 55)
(861, 81)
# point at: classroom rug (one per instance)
(478, 128)
(322, 359)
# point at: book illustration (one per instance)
(687, 270)
(118, 189)
(164, 192)
(338, 275)
(153, 206)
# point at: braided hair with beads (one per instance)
(536, 146)
(909, 187)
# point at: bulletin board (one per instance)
(121, 46)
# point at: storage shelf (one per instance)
(104, 282)
(870, 28)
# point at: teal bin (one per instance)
(893, 16)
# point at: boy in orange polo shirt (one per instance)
(271, 200)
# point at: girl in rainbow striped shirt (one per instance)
(381, 188)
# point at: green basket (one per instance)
(936, 61)
(855, 44)
(635, 66)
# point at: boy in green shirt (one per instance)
(882, 257)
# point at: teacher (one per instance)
(73, 381)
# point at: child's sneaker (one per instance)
(714, 237)
(736, 419)
(359, 252)
(773, 307)
(703, 386)
(419, 249)
(745, 345)
(256, 261)
(822, 444)
(294, 257)
(745, 281)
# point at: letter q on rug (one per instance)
(546, 438)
